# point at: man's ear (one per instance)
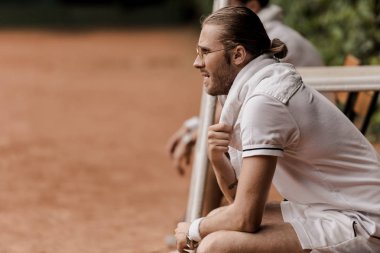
(239, 55)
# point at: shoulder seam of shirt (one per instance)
(259, 94)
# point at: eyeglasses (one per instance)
(202, 52)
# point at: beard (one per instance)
(221, 81)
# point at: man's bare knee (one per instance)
(214, 242)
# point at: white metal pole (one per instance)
(200, 164)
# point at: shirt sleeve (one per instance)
(267, 127)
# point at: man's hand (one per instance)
(180, 147)
(180, 234)
(218, 140)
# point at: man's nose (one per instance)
(198, 63)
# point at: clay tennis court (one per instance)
(85, 116)
(84, 119)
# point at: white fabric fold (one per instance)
(258, 76)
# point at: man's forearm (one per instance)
(246, 211)
(229, 218)
(226, 177)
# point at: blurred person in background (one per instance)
(301, 52)
(283, 131)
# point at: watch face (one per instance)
(188, 240)
(191, 244)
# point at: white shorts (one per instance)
(326, 230)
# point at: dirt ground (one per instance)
(84, 119)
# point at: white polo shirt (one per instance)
(323, 160)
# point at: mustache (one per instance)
(204, 72)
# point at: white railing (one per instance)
(345, 78)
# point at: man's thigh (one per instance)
(271, 238)
(272, 213)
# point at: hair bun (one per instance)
(278, 48)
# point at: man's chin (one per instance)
(208, 88)
(212, 92)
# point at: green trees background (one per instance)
(338, 27)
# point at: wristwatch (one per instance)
(191, 244)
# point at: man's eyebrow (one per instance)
(204, 48)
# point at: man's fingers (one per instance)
(180, 169)
(218, 142)
(171, 146)
(177, 161)
(175, 139)
(218, 135)
(221, 127)
(172, 143)
(188, 158)
(222, 148)
(181, 156)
